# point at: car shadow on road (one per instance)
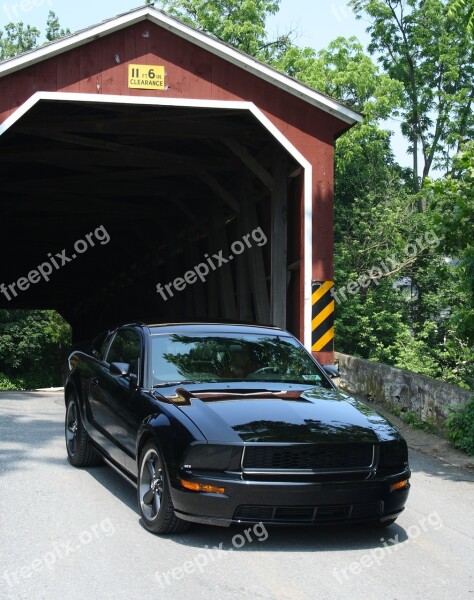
(283, 539)
(292, 539)
(116, 485)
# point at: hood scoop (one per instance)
(184, 396)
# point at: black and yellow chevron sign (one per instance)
(322, 325)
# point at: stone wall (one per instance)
(430, 400)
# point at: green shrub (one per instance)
(411, 419)
(460, 428)
(27, 382)
(6, 384)
(33, 345)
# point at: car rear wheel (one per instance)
(80, 451)
(154, 499)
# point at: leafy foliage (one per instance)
(240, 23)
(53, 28)
(454, 198)
(460, 428)
(411, 419)
(465, 10)
(28, 340)
(418, 42)
(18, 38)
(344, 71)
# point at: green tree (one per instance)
(18, 38)
(53, 28)
(344, 71)
(240, 23)
(420, 44)
(454, 198)
(464, 9)
(28, 341)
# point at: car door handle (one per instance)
(95, 381)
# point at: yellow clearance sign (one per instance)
(146, 77)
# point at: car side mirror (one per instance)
(331, 371)
(118, 369)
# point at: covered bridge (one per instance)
(149, 171)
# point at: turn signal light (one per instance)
(399, 485)
(201, 487)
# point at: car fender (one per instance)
(72, 387)
(157, 427)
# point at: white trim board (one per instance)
(223, 104)
(198, 38)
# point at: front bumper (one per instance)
(290, 503)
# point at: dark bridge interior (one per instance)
(156, 189)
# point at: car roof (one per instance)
(217, 328)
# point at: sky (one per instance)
(314, 23)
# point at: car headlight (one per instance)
(393, 454)
(210, 457)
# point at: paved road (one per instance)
(75, 533)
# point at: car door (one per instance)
(111, 397)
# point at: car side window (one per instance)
(126, 348)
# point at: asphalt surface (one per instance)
(66, 532)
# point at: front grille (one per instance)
(309, 514)
(308, 456)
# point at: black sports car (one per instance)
(223, 424)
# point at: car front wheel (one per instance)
(386, 523)
(154, 499)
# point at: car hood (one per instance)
(318, 415)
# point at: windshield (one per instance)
(205, 358)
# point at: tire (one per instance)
(154, 498)
(383, 524)
(80, 452)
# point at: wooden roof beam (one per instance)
(146, 153)
(250, 161)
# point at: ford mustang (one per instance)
(223, 424)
